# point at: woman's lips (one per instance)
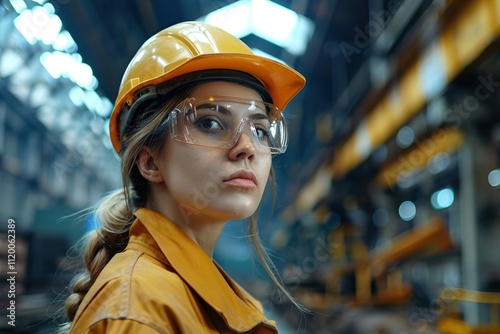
(242, 179)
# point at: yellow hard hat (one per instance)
(190, 47)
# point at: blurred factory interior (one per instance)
(387, 218)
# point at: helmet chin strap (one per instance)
(191, 79)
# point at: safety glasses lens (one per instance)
(219, 122)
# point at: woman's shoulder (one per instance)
(145, 276)
(157, 279)
(138, 287)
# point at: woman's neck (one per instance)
(201, 229)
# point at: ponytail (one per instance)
(111, 237)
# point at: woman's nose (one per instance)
(243, 149)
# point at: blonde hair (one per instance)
(115, 213)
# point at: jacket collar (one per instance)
(212, 284)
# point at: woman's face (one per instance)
(211, 183)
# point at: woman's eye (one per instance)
(262, 133)
(208, 123)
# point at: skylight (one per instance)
(266, 19)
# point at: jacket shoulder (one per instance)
(137, 287)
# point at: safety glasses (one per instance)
(219, 122)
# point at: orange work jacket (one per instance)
(163, 282)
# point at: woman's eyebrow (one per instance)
(215, 106)
(225, 111)
(259, 116)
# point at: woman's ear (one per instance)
(147, 162)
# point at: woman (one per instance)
(196, 123)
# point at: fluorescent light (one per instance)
(105, 107)
(10, 62)
(49, 61)
(81, 74)
(64, 42)
(24, 24)
(50, 28)
(18, 5)
(69, 66)
(77, 96)
(92, 100)
(39, 24)
(102, 106)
